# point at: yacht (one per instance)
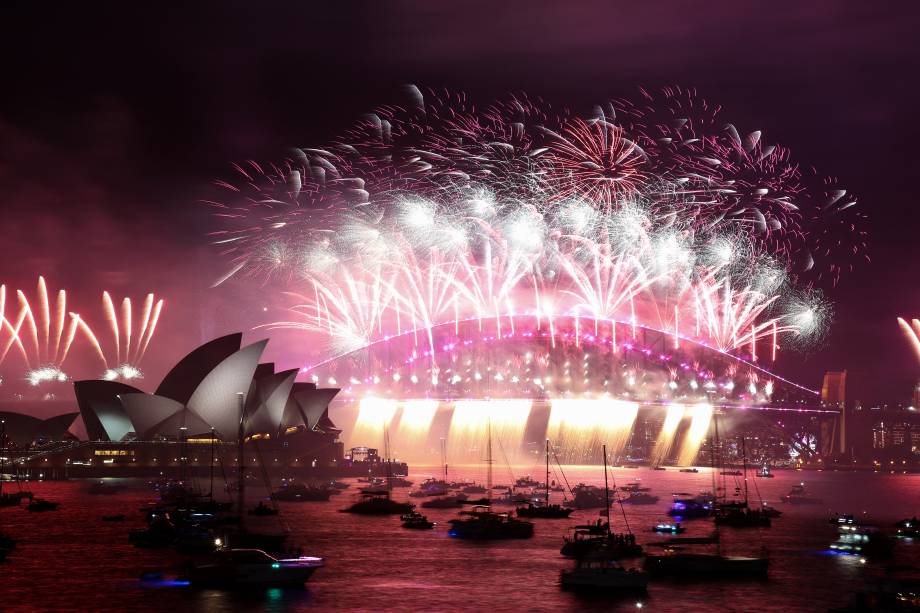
(378, 504)
(481, 523)
(445, 502)
(596, 541)
(708, 565)
(689, 508)
(416, 521)
(299, 492)
(544, 509)
(742, 518)
(604, 574)
(101, 488)
(640, 498)
(908, 528)
(252, 568)
(674, 528)
(798, 495)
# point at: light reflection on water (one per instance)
(69, 559)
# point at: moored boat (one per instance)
(232, 568)
(604, 574)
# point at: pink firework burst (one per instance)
(596, 161)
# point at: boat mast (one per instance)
(241, 488)
(546, 483)
(386, 453)
(606, 492)
(719, 464)
(444, 457)
(744, 470)
(489, 462)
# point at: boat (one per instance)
(690, 508)
(634, 486)
(598, 540)
(476, 501)
(908, 528)
(731, 473)
(263, 510)
(586, 497)
(658, 468)
(640, 498)
(769, 511)
(765, 473)
(798, 495)
(705, 565)
(400, 482)
(595, 543)
(252, 568)
(710, 539)
(101, 488)
(378, 504)
(299, 492)
(39, 505)
(674, 528)
(431, 487)
(416, 521)
(114, 518)
(689, 470)
(473, 489)
(742, 518)
(862, 539)
(337, 485)
(445, 502)
(511, 497)
(526, 481)
(544, 510)
(481, 523)
(604, 574)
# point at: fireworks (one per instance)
(43, 332)
(912, 333)
(129, 342)
(521, 221)
(39, 333)
(654, 211)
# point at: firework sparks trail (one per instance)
(912, 334)
(653, 210)
(128, 347)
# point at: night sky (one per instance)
(115, 120)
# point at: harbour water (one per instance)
(71, 560)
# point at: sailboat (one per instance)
(241, 538)
(674, 561)
(597, 540)
(740, 515)
(545, 510)
(378, 502)
(481, 523)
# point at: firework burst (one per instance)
(653, 210)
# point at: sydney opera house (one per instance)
(195, 414)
